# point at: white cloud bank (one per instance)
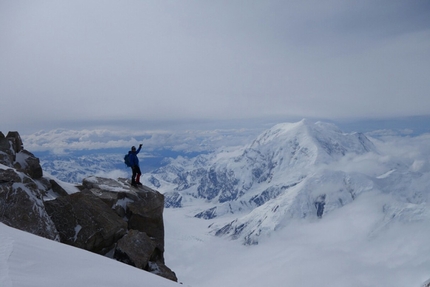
(58, 141)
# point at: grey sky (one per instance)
(86, 62)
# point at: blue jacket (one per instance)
(134, 160)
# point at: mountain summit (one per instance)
(305, 143)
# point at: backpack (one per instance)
(127, 160)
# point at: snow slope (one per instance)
(342, 249)
(28, 260)
(336, 251)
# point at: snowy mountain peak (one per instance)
(303, 127)
(281, 156)
(305, 144)
(290, 171)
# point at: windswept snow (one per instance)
(27, 260)
(348, 247)
(336, 251)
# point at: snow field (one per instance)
(345, 248)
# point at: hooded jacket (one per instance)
(134, 160)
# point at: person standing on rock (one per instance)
(134, 163)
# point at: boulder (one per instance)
(13, 154)
(143, 207)
(135, 248)
(159, 268)
(26, 162)
(114, 193)
(7, 154)
(146, 215)
(16, 141)
(139, 250)
(85, 221)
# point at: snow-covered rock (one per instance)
(23, 189)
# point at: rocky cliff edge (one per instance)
(102, 215)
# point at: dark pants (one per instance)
(135, 178)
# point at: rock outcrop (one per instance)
(85, 221)
(22, 189)
(102, 215)
(142, 209)
(13, 154)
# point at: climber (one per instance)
(134, 164)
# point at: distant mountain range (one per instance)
(74, 166)
(300, 170)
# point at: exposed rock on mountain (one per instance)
(130, 249)
(142, 209)
(12, 153)
(85, 221)
(104, 216)
(22, 189)
(110, 218)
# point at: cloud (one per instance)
(82, 62)
(61, 141)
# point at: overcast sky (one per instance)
(82, 63)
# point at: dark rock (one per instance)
(135, 248)
(142, 208)
(16, 141)
(21, 205)
(234, 230)
(269, 194)
(13, 154)
(57, 188)
(173, 199)
(207, 214)
(319, 205)
(109, 190)
(146, 215)
(139, 250)
(161, 269)
(9, 175)
(29, 164)
(85, 221)
(155, 182)
(7, 154)
(222, 183)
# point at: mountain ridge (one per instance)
(300, 170)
